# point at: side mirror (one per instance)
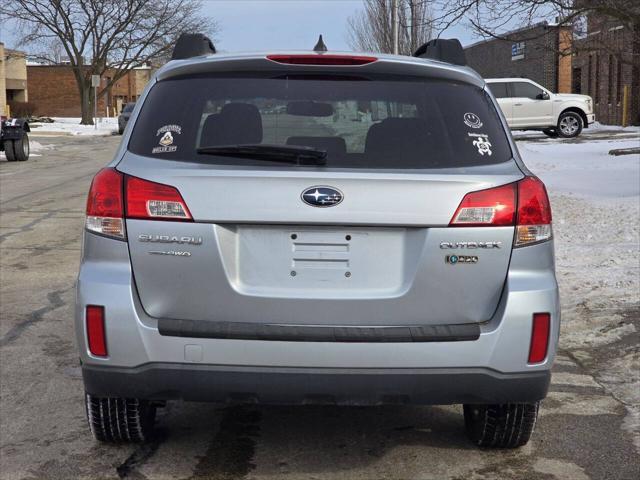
(543, 96)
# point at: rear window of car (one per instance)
(361, 122)
(128, 107)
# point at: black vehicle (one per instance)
(14, 140)
(123, 118)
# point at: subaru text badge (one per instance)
(321, 196)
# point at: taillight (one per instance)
(150, 200)
(322, 59)
(105, 208)
(534, 212)
(493, 207)
(539, 337)
(523, 204)
(96, 337)
(114, 196)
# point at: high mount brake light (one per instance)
(114, 196)
(523, 204)
(322, 59)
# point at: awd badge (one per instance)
(455, 259)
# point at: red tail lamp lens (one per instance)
(492, 207)
(96, 337)
(150, 200)
(105, 194)
(533, 202)
(539, 337)
(105, 206)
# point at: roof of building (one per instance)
(512, 32)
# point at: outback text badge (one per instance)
(322, 196)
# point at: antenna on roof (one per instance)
(320, 46)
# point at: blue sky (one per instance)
(286, 24)
(277, 24)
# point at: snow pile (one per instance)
(585, 169)
(71, 126)
(595, 199)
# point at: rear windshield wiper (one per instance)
(299, 155)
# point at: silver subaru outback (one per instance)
(317, 227)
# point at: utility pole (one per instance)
(395, 18)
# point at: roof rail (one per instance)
(192, 45)
(444, 50)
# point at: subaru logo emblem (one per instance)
(322, 196)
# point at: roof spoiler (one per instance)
(192, 45)
(444, 50)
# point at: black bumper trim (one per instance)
(280, 385)
(302, 333)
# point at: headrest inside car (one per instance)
(236, 124)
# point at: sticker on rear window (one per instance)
(166, 138)
(482, 143)
(472, 120)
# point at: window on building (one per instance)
(590, 76)
(577, 80)
(597, 69)
(619, 82)
(525, 90)
(499, 89)
(610, 81)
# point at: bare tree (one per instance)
(492, 18)
(372, 28)
(97, 35)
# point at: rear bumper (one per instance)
(142, 362)
(271, 385)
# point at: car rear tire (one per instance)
(120, 131)
(551, 132)
(569, 125)
(501, 426)
(17, 150)
(115, 420)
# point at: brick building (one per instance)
(602, 69)
(54, 91)
(13, 78)
(531, 53)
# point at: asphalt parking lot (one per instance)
(585, 431)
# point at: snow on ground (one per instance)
(71, 126)
(585, 169)
(595, 200)
(596, 127)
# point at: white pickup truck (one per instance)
(529, 106)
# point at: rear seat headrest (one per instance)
(407, 139)
(237, 123)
